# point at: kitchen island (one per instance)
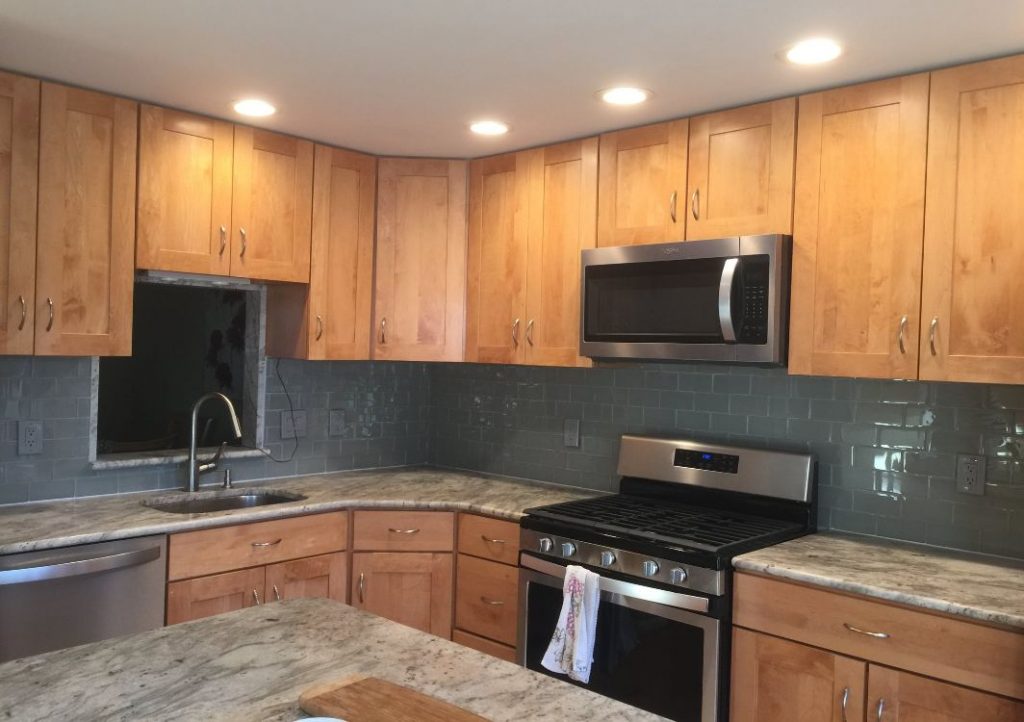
(254, 664)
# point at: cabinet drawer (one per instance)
(488, 538)
(967, 653)
(501, 651)
(195, 553)
(486, 599)
(406, 531)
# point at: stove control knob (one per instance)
(545, 545)
(568, 549)
(650, 568)
(678, 575)
(607, 559)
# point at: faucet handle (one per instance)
(211, 463)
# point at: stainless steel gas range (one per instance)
(663, 547)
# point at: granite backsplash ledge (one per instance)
(886, 449)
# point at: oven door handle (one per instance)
(725, 299)
(676, 600)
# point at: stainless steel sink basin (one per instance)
(203, 502)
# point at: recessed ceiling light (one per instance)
(813, 51)
(624, 95)
(254, 107)
(488, 127)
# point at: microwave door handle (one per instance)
(725, 299)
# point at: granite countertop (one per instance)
(46, 525)
(983, 589)
(254, 663)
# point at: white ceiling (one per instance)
(404, 77)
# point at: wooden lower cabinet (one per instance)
(322, 577)
(412, 588)
(480, 644)
(487, 599)
(895, 696)
(206, 596)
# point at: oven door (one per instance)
(655, 655)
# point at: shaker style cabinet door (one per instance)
(641, 186)
(895, 696)
(206, 596)
(496, 277)
(971, 301)
(563, 219)
(184, 192)
(740, 180)
(271, 209)
(324, 577)
(775, 680)
(19, 164)
(858, 230)
(86, 241)
(420, 275)
(411, 588)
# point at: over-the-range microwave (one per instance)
(721, 300)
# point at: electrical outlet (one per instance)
(970, 474)
(571, 433)
(336, 422)
(293, 424)
(30, 437)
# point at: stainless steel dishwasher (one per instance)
(64, 597)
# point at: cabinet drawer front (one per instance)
(209, 551)
(486, 599)
(501, 651)
(971, 654)
(488, 538)
(408, 531)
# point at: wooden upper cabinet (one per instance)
(184, 207)
(330, 318)
(971, 301)
(563, 217)
(272, 205)
(642, 185)
(496, 278)
(904, 697)
(19, 163)
(858, 230)
(86, 242)
(420, 278)
(740, 180)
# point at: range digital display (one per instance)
(705, 461)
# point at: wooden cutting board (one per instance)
(368, 699)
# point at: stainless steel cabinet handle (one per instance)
(515, 333)
(492, 541)
(24, 312)
(880, 710)
(241, 232)
(529, 332)
(866, 633)
(403, 531)
(362, 587)
(899, 337)
(223, 239)
(49, 307)
(256, 597)
(672, 205)
(79, 567)
(259, 545)
(277, 594)
(931, 334)
(383, 331)
(492, 602)
(320, 327)
(695, 204)
(845, 700)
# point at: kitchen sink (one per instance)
(202, 502)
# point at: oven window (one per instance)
(641, 659)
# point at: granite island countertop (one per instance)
(51, 524)
(976, 587)
(254, 663)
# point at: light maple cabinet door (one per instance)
(86, 236)
(420, 274)
(775, 680)
(563, 218)
(19, 166)
(971, 300)
(271, 209)
(184, 201)
(412, 588)
(641, 185)
(858, 230)
(740, 179)
(496, 264)
(323, 576)
(895, 696)
(216, 594)
(330, 318)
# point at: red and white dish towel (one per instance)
(571, 650)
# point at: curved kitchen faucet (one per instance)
(195, 466)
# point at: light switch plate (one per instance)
(571, 433)
(30, 438)
(293, 424)
(970, 474)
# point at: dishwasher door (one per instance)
(60, 598)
